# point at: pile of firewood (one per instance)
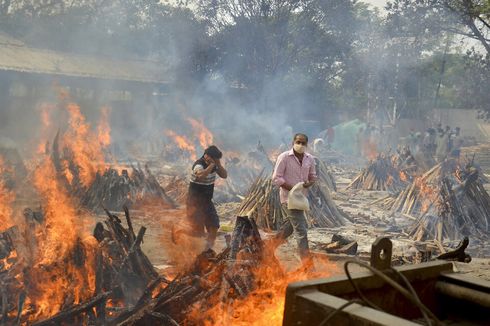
(109, 189)
(324, 175)
(263, 204)
(176, 188)
(447, 202)
(113, 190)
(417, 197)
(214, 279)
(122, 273)
(381, 174)
(461, 208)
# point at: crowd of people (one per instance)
(438, 142)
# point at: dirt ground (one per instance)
(369, 222)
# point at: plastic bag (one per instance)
(297, 198)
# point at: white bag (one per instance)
(297, 198)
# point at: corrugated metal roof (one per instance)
(15, 56)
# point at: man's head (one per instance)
(212, 153)
(300, 142)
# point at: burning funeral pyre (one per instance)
(448, 201)
(382, 174)
(94, 278)
(263, 204)
(108, 188)
(122, 287)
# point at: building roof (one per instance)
(16, 56)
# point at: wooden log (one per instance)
(68, 314)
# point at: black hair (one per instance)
(300, 134)
(214, 152)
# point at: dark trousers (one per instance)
(202, 216)
(296, 223)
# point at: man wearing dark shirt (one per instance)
(200, 208)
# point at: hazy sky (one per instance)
(377, 3)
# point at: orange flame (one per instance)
(104, 128)
(183, 142)
(6, 199)
(202, 132)
(265, 305)
(427, 194)
(86, 150)
(403, 176)
(369, 149)
(45, 110)
(63, 270)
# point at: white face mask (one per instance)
(298, 148)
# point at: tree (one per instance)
(470, 18)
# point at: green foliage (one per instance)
(317, 55)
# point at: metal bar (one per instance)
(464, 293)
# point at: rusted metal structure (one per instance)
(451, 297)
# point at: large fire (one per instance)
(62, 270)
(6, 199)
(83, 146)
(58, 255)
(264, 305)
(183, 142)
(201, 132)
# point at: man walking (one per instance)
(200, 208)
(292, 167)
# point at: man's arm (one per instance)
(312, 177)
(278, 175)
(201, 172)
(220, 170)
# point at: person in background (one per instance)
(201, 212)
(429, 142)
(318, 146)
(457, 142)
(442, 143)
(292, 167)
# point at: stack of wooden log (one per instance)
(324, 175)
(214, 279)
(417, 198)
(461, 208)
(113, 190)
(381, 174)
(241, 173)
(263, 204)
(110, 189)
(122, 273)
(177, 188)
